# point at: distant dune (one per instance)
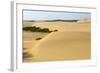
(84, 21)
(64, 26)
(27, 23)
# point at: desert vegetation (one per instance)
(36, 29)
(55, 30)
(38, 38)
(26, 55)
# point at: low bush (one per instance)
(36, 29)
(55, 30)
(38, 38)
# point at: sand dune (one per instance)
(64, 26)
(30, 41)
(70, 42)
(64, 46)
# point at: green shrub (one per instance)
(55, 30)
(36, 29)
(24, 48)
(38, 38)
(27, 55)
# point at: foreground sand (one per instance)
(30, 42)
(63, 46)
(70, 42)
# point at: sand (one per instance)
(64, 26)
(70, 42)
(29, 41)
(64, 46)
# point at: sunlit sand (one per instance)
(70, 42)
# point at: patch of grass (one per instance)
(27, 55)
(38, 38)
(24, 48)
(36, 29)
(55, 30)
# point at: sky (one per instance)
(51, 15)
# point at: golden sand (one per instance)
(70, 42)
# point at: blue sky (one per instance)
(50, 15)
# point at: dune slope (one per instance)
(64, 46)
